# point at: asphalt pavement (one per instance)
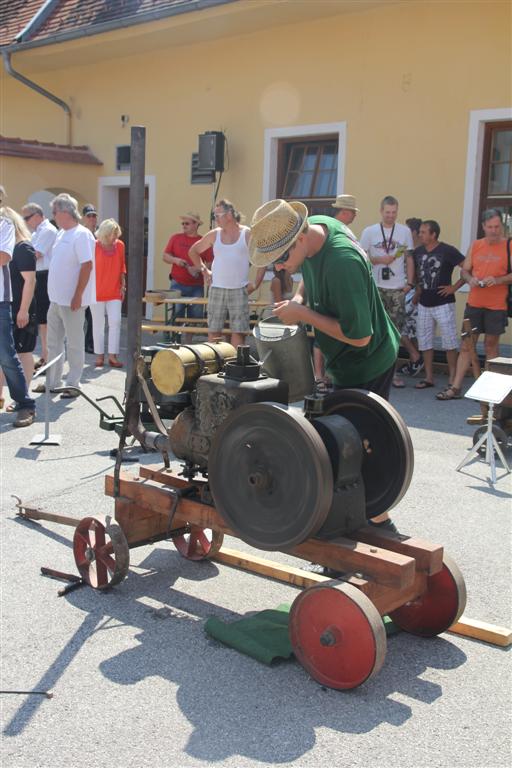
(137, 682)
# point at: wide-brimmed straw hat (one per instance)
(275, 226)
(348, 202)
(194, 216)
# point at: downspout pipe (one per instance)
(42, 91)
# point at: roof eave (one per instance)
(109, 26)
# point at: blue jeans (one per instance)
(10, 362)
(188, 292)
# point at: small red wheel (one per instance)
(439, 607)
(101, 551)
(199, 544)
(337, 635)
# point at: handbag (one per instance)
(509, 295)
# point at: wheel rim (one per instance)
(101, 551)
(337, 635)
(270, 476)
(388, 454)
(439, 607)
(199, 544)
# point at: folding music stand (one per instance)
(491, 388)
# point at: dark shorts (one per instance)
(381, 385)
(42, 300)
(491, 321)
(25, 338)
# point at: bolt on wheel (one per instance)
(337, 635)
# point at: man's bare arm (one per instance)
(293, 312)
(200, 247)
(83, 279)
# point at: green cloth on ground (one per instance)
(264, 635)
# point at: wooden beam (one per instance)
(482, 630)
(428, 556)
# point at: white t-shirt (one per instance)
(7, 243)
(43, 239)
(396, 238)
(230, 266)
(72, 248)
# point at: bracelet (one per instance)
(411, 285)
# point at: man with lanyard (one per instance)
(356, 336)
(9, 360)
(389, 246)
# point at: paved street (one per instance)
(136, 680)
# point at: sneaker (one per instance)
(25, 418)
(405, 370)
(416, 367)
(386, 525)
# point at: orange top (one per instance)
(489, 261)
(109, 265)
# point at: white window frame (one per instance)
(477, 121)
(271, 141)
(108, 208)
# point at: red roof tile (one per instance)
(72, 16)
(42, 150)
(14, 17)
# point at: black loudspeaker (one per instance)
(211, 151)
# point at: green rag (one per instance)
(264, 635)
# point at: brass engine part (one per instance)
(177, 369)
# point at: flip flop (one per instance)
(68, 394)
(398, 383)
(423, 384)
(452, 393)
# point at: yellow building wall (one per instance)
(403, 76)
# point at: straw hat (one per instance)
(275, 227)
(348, 202)
(194, 216)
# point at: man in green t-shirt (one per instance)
(352, 328)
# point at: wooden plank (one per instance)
(389, 568)
(428, 556)
(166, 476)
(37, 514)
(482, 630)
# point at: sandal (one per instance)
(100, 361)
(39, 363)
(398, 383)
(115, 363)
(451, 393)
(424, 384)
(12, 407)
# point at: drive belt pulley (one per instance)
(270, 475)
(388, 455)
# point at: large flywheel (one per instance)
(270, 475)
(388, 456)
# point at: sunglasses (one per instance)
(187, 223)
(27, 218)
(284, 257)
(220, 215)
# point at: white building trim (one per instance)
(108, 208)
(272, 136)
(477, 120)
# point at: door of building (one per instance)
(496, 187)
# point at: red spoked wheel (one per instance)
(337, 635)
(101, 551)
(199, 544)
(439, 607)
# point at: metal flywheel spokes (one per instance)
(199, 544)
(101, 551)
